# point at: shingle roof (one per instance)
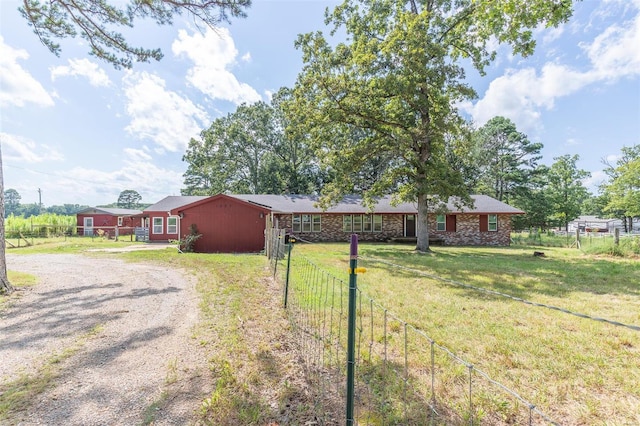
(174, 201)
(352, 204)
(109, 210)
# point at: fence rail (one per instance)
(403, 376)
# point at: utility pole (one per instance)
(39, 201)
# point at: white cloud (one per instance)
(137, 154)
(18, 86)
(160, 115)
(84, 68)
(522, 94)
(213, 55)
(150, 181)
(593, 182)
(552, 34)
(616, 53)
(22, 150)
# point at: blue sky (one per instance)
(82, 131)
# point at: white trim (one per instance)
(153, 225)
(176, 225)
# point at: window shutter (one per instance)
(451, 223)
(484, 223)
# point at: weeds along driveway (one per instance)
(100, 341)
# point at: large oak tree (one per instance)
(397, 76)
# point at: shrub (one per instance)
(188, 242)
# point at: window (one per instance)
(306, 223)
(157, 225)
(441, 224)
(357, 223)
(362, 223)
(346, 223)
(493, 222)
(366, 223)
(119, 220)
(377, 223)
(172, 225)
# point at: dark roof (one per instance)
(174, 201)
(109, 211)
(352, 204)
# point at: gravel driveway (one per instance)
(128, 329)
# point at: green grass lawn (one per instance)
(576, 370)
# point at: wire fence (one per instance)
(403, 376)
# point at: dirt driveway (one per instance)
(121, 333)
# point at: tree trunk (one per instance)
(5, 285)
(423, 224)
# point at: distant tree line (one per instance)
(263, 148)
(128, 199)
(12, 206)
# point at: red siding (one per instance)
(163, 236)
(106, 222)
(227, 225)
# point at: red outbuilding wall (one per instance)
(227, 225)
(107, 223)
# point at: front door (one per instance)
(88, 226)
(410, 225)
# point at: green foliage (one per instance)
(99, 21)
(506, 160)
(393, 85)
(129, 199)
(565, 189)
(250, 151)
(623, 189)
(187, 244)
(43, 225)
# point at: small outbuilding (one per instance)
(113, 221)
(226, 224)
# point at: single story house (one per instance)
(107, 219)
(162, 217)
(237, 222)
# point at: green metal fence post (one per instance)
(286, 283)
(351, 337)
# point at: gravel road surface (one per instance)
(123, 331)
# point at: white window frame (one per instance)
(158, 226)
(441, 222)
(377, 223)
(120, 220)
(362, 223)
(305, 223)
(316, 223)
(347, 223)
(172, 229)
(492, 225)
(296, 223)
(367, 225)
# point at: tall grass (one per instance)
(43, 225)
(590, 243)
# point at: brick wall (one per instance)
(467, 230)
(331, 228)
